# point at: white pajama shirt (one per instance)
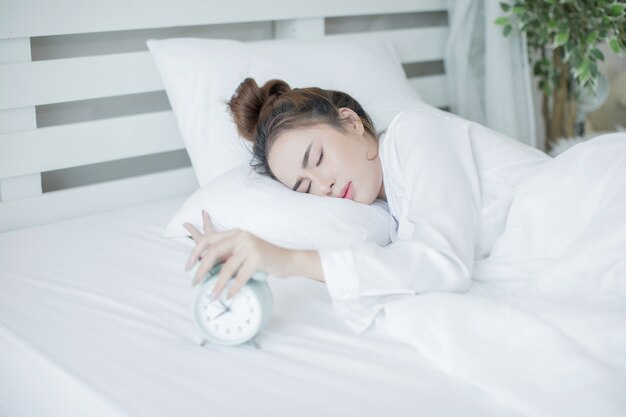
(449, 183)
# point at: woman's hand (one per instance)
(242, 253)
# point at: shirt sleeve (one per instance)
(441, 187)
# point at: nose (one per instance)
(324, 184)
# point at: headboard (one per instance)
(52, 123)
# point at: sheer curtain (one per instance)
(489, 77)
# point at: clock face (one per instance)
(229, 320)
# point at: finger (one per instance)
(204, 242)
(194, 256)
(195, 233)
(221, 250)
(206, 222)
(227, 272)
(243, 276)
(210, 264)
(206, 264)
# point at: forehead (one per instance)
(292, 140)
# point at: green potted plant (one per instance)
(563, 38)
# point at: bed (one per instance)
(107, 332)
(94, 302)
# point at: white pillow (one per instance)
(241, 198)
(201, 75)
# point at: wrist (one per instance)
(307, 263)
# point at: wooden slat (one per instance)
(412, 45)
(94, 198)
(28, 18)
(300, 28)
(72, 79)
(18, 119)
(90, 142)
(432, 88)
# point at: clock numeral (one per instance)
(247, 321)
(227, 331)
(217, 326)
(239, 327)
(251, 309)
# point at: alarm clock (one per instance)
(234, 321)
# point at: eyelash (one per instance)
(318, 164)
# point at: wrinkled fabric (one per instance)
(543, 326)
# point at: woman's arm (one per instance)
(307, 263)
(243, 253)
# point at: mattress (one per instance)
(95, 320)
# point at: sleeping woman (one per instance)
(448, 182)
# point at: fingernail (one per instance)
(213, 296)
(203, 212)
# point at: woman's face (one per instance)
(324, 161)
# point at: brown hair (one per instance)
(262, 113)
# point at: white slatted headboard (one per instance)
(29, 151)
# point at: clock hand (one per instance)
(226, 309)
(225, 306)
(223, 312)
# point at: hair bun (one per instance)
(248, 101)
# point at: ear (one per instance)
(352, 119)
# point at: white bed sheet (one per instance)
(95, 320)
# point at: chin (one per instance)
(368, 200)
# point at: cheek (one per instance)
(341, 156)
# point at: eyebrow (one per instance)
(305, 162)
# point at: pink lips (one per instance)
(347, 192)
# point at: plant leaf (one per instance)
(503, 20)
(591, 39)
(614, 45)
(561, 39)
(616, 10)
(598, 54)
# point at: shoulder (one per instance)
(426, 116)
(423, 127)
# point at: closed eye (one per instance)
(321, 156)
(318, 164)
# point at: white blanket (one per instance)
(543, 328)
